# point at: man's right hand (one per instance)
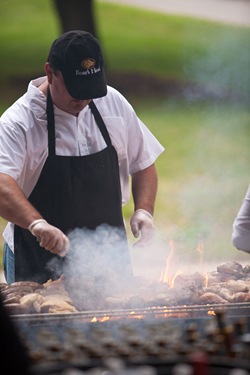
(50, 237)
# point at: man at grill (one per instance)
(68, 147)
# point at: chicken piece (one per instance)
(57, 302)
(211, 298)
(65, 308)
(33, 301)
(55, 287)
(57, 282)
(232, 286)
(232, 268)
(242, 297)
(16, 289)
(226, 294)
(12, 298)
(3, 286)
(32, 284)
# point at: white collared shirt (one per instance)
(24, 138)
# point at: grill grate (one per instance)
(181, 312)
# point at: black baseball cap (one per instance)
(77, 54)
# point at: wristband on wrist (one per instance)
(31, 226)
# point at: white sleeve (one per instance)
(241, 225)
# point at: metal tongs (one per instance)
(71, 259)
(81, 265)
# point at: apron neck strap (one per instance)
(100, 123)
(51, 125)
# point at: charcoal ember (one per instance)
(211, 298)
(234, 269)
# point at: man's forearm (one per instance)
(144, 189)
(14, 206)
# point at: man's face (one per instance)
(60, 95)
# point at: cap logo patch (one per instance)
(88, 63)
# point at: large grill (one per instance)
(147, 329)
(158, 337)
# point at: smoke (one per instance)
(215, 173)
(101, 254)
(223, 68)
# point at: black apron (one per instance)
(71, 192)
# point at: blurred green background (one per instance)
(195, 100)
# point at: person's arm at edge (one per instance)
(241, 225)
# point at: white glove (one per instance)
(50, 237)
(142, 224)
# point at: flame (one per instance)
(200, 249)
(135, 316)
(211, 312)
(173, 278)
(104, 319)
(206, 280)
(166, 274)
(101, 319)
